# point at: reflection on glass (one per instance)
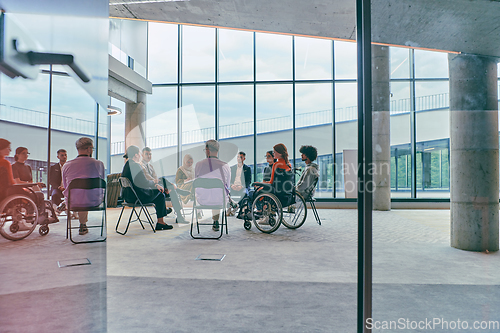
(400, 62)
(432, 105)
(313, 59)
(161, 124)
(198, 54)
(313, 123)
(400, 140)
(274, 121)
(345, 60)
(346, 129)
(236, 120)
(235, 55)
(274, 57)
(429, 64)
(198, 114)
(162, 52)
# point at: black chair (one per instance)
(125, 183)
(209, 183)
(310, 199)
(86, 184)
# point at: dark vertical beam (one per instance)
(96, 150)
(363, 25)
(413, 126)
(254, 111)
(179, 95)
(216, 84)
(334, 141)
(293, 101)
(49, 132)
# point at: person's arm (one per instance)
(248, 176)
(301, 184)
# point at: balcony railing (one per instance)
(275, 124)
(40, 119)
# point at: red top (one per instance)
(279, 164)
(8, 167)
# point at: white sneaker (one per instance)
(263, 220)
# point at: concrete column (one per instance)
(473, 152)
(381, 128)
(135, 122)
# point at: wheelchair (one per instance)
(280, 205)
(19, 214)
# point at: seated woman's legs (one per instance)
(174, 198)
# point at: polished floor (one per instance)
(300, 280)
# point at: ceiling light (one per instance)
(114, 110)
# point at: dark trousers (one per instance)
(56, 196)
(159, 201)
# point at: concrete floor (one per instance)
(300, 280)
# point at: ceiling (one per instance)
(469, 26)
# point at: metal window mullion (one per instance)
(49, 130)
(293, 101)
(179, 95)
(254, 110)
(413, 128)
(334, 141)
(364, 300)
(216, 84)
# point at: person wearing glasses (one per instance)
(20, 170)
(83, 166)
(23, 174)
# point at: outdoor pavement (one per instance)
(302, 280)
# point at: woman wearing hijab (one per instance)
(185, 176)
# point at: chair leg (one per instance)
(315, 212)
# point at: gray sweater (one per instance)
(307, 179)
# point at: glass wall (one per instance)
(289, 86)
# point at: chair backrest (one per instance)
(309, 192)
(125, 182)
(283, 185)
(88, 199)
(216, 198)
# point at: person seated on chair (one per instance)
(241, 177)
(184, 177)
(22, 174)
(170, 189)
(147, 190)
(266, 173)
(55, 179)
(310, 174)
(212, 167)
(283, 165)
(83, 166)
(7, 182)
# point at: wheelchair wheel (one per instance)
(43, 230)
(18, 217)
(266, 212)
(295, 215)
(247, 225)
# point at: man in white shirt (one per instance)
(83, 166)
(212, 167)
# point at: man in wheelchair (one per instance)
(21, 208)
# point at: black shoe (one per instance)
(215, 227)
(169, 210)
(182, 192)
(160, 226)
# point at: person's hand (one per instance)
(236, 187)
(60, 188)
(160, 188)
(42, 185)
